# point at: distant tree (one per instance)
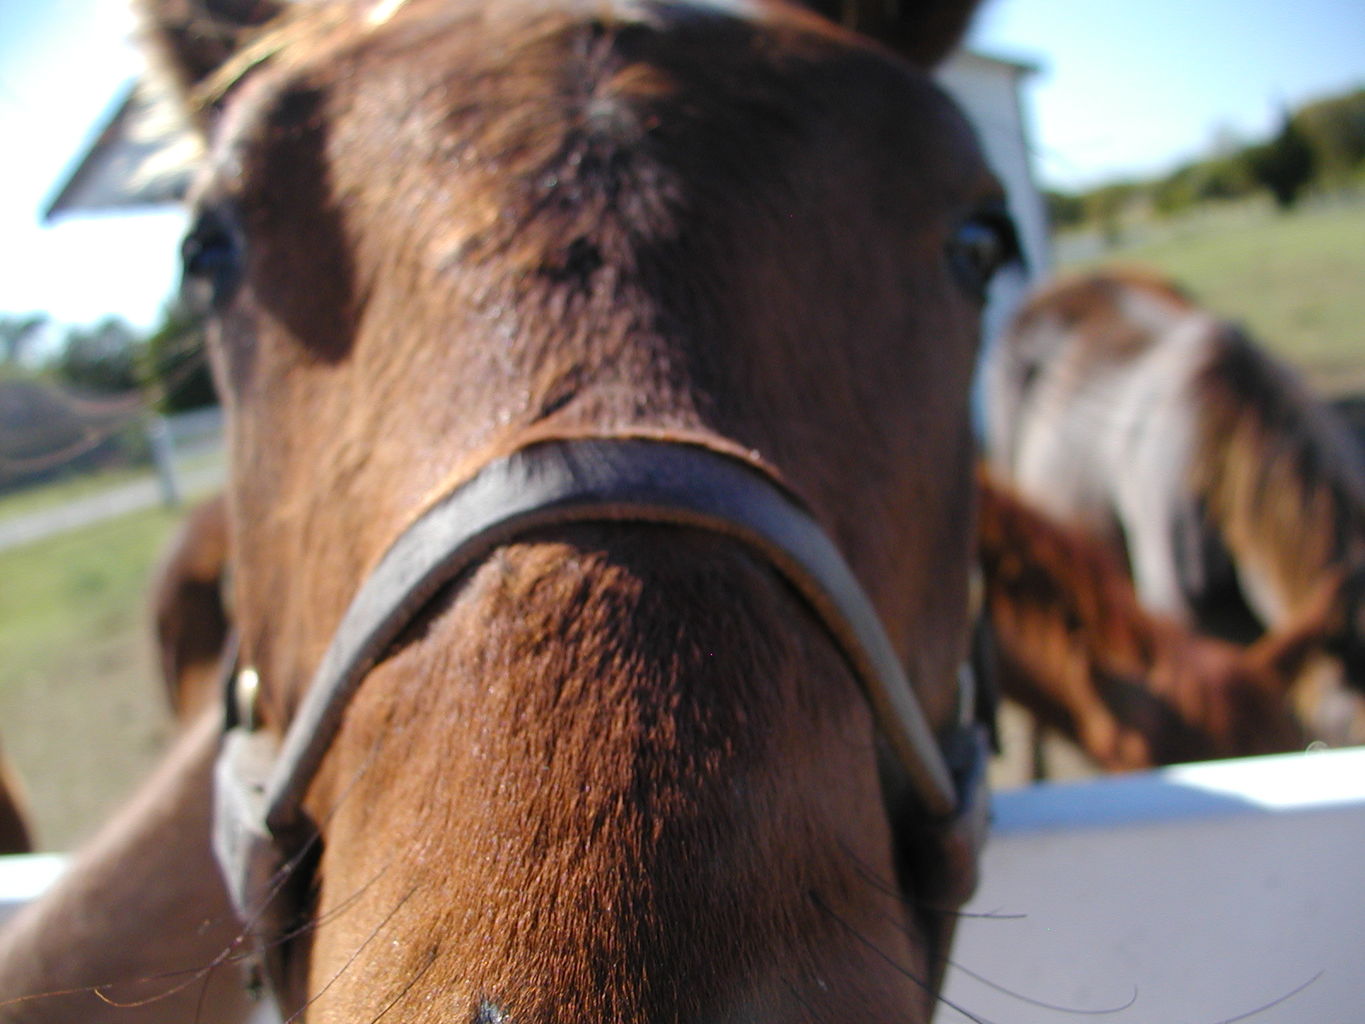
(1321, 144)
(174, 364)
(1284, 165)
(1335, 129)
(102, 358)
(1222, 177)
(1064, 210)
(1105, 206)
(17, 334)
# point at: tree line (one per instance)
(1320, 147)
(166, 366)
(76, 398)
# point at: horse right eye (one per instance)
(211, 259)
(982, 246)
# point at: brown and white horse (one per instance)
(631, 764)
(1119, 405)
(1132, 689)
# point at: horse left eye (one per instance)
(982, 246)
(211, 260)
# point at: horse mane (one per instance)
(202, 36)
(1278, 475)
(207, 47)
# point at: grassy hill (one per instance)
(1295, 280)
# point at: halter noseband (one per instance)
(934, 786)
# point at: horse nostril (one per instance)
(489, 1013)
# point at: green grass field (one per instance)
(38, 499)
(1296, 280)
(80, 711)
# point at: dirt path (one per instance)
(116, 501)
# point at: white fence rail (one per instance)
(1199, 894)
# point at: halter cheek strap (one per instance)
(934, 786)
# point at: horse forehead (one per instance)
(382, 11)
(445, 46)
(450, 72)
(483, 101)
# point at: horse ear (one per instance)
(194, 39)
(924, 31)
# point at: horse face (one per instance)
(613, 772)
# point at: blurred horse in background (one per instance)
(1131, 688)
(1118, 405)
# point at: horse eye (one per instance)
(982, 246)
(211, 261)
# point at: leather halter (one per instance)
(934, 788)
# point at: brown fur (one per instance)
(16, 834)
(616, 774)
(925, 31)
(130, 932)
(189, 610)
(1132, 690)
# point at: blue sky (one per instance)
(1124, 88)
(1133, 88)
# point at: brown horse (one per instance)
(712, 272)
(189, 609)
(16, 834)
(1131, 689)
(1118, 404)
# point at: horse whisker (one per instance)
(1041, 1004)
(431, 960)
(286, 871)
(190, 974)
(893, 890)
(899, 968)
(374, 933)
(1074, 1011)
(795, 994)
(1273, 1003)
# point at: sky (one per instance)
(1134, 88)
(1122, 89)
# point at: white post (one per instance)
(163, 452)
